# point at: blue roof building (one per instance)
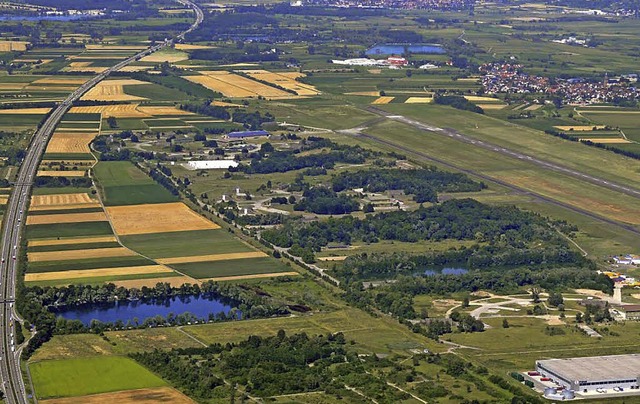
(246, 134)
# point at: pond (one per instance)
(443, 271)
(200, 306)
(399, 48)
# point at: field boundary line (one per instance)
(191, 336)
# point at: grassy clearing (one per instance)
(68, 230)
(214, 269)
(98, 280)
(185, 243)
(122, 183)
(79, 377)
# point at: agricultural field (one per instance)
(80, 377)
(156, 218)
(148, 395)
(236, 86)
(113, 90)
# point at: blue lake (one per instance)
(199, 306)
(398, 49)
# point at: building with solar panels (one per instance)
(612, 373)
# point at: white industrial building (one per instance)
(584, 375)
(211, 164)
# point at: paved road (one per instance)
(10, 372)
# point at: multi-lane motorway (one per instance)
(10, 372)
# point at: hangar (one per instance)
(611, 372)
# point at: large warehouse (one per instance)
(595, 372)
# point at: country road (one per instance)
(10, 372)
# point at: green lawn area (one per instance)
(122, 183)
(185, 243)
(247, 266)
(68, 230)
(79, 377)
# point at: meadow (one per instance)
(237, 267)
(91, 375)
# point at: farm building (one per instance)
(629, 311)
(584, 375)
(211, 164)
(629, 259)
(248, 134)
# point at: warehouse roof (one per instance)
(250, 133)
(595, 368)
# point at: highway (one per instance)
(13, 384)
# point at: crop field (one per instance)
(92, 375)
(65, 255)
(25, 111)
(13, 46)
(419, 100)
(211, 257)
(68, 230)
(113, 90)
(129, 111)
(185, 243)
(88, 263)
(58, 173)
(70, 142)
(170, 56)
(158, 270)
(84, 67)
(235, 86)
(72, 240)
(382, 100)
(62, 201)
(580, 128)
(156, 218)
(148, 396)
(231, 268)
(285, 80)
(66, 218)
(122, 183)
(606, 140)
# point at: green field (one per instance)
(64, 211)
(67, 156)
(68, 230)
(66, 247)
(122, 183)
(62, 190)
(79, 377)
(100, 280)
(185, 243)
(246, 266)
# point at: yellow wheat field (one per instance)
(79, 254)
(4, 199)
(136, 68)
(253, 276)
(84, 67)
(94, 273)
(492, 106)
(475, 98)
(116, 111)
(155, 111)
(65, 142)
(235, 86)
(610, 140)
(25, 111)
(46, 202)
(12, 86)
(581, 128)
(13, 46)
(418, 100)
(72, 240)
(171, 57)
(364, 93)
(284, 80)
(383, 100)
(59, 81)
(156, 218)
(67, 218)
(334, 258)
(226, 104)
(115, 47)
(212, 257)
(113, 90)
(186, 46)
(67, 173)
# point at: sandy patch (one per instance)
(375, 71)
(580, 128)
(47, 201)
(175, 281)
(418, 100)
(383, 100)
(553, 320)
(79, 254)
(65, 142)
(72, 240)
(156, 218)
(212, 257)
(254, 276)
(67, 218)
(25, 111)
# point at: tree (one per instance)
(505, 323)
(267, 148)
(555, 299)
(465, 301)
(578, 317)
(535, 294)
(112, 122)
